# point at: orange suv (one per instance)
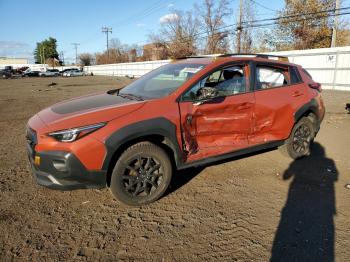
(190, 112)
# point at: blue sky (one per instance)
(25, 22)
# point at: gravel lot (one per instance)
(249, 209)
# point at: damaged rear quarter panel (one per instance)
(274, 112)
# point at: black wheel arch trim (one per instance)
(310, 106)
(156, 126)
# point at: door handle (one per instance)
(297, 93)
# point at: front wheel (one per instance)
(299, 142)
(141, 175)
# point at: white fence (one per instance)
(328, 66)
(135, 69)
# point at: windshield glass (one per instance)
(162, 81)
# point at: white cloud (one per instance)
(171, 5)
(141, 25)
(168, 18)
(15, 49)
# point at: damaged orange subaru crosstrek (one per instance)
(190, 112)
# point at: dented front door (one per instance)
(218, 126)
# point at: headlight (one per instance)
(70, 135)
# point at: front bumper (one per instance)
(63, 171)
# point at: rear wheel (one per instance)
(302, 135)
(141, 175)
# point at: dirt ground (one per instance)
(249, 209)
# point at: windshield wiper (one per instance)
(130, 96)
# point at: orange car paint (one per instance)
(202, 131)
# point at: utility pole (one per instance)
(239, 27)
(107, 30)
(44, 58)
(335, 24)
(62, 57)
(76, 52)
(41, 54)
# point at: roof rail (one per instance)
(267, 56)
(198, 56)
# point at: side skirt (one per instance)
(233, 154)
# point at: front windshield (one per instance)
(162, 81)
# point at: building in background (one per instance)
(12, 61)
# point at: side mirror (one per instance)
(205, 94)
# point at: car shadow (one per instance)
(183, 176)
(306, 228)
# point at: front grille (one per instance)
(31, 138)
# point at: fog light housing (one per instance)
(60, 165)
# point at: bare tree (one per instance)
(178, 34)
(212, 18)
(86, 59)
(118, 53)
(248, 16)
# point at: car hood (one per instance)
(86, 110)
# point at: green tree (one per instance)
(46, 49)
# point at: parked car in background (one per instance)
(66, 70)
(74, 72)
(5, 73)
(50, 72)
(21, 70)
(30, 73)
(191, 112)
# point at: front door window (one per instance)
(224, 82)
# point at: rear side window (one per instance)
(294, 76)
(270, 77)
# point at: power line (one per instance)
(156, 6)
(276, 20)
(261, 5)
(252, 23)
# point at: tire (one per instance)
(137, 186)
(300, 140)
(313, 119)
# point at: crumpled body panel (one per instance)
(220, 126)
(274, 113)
